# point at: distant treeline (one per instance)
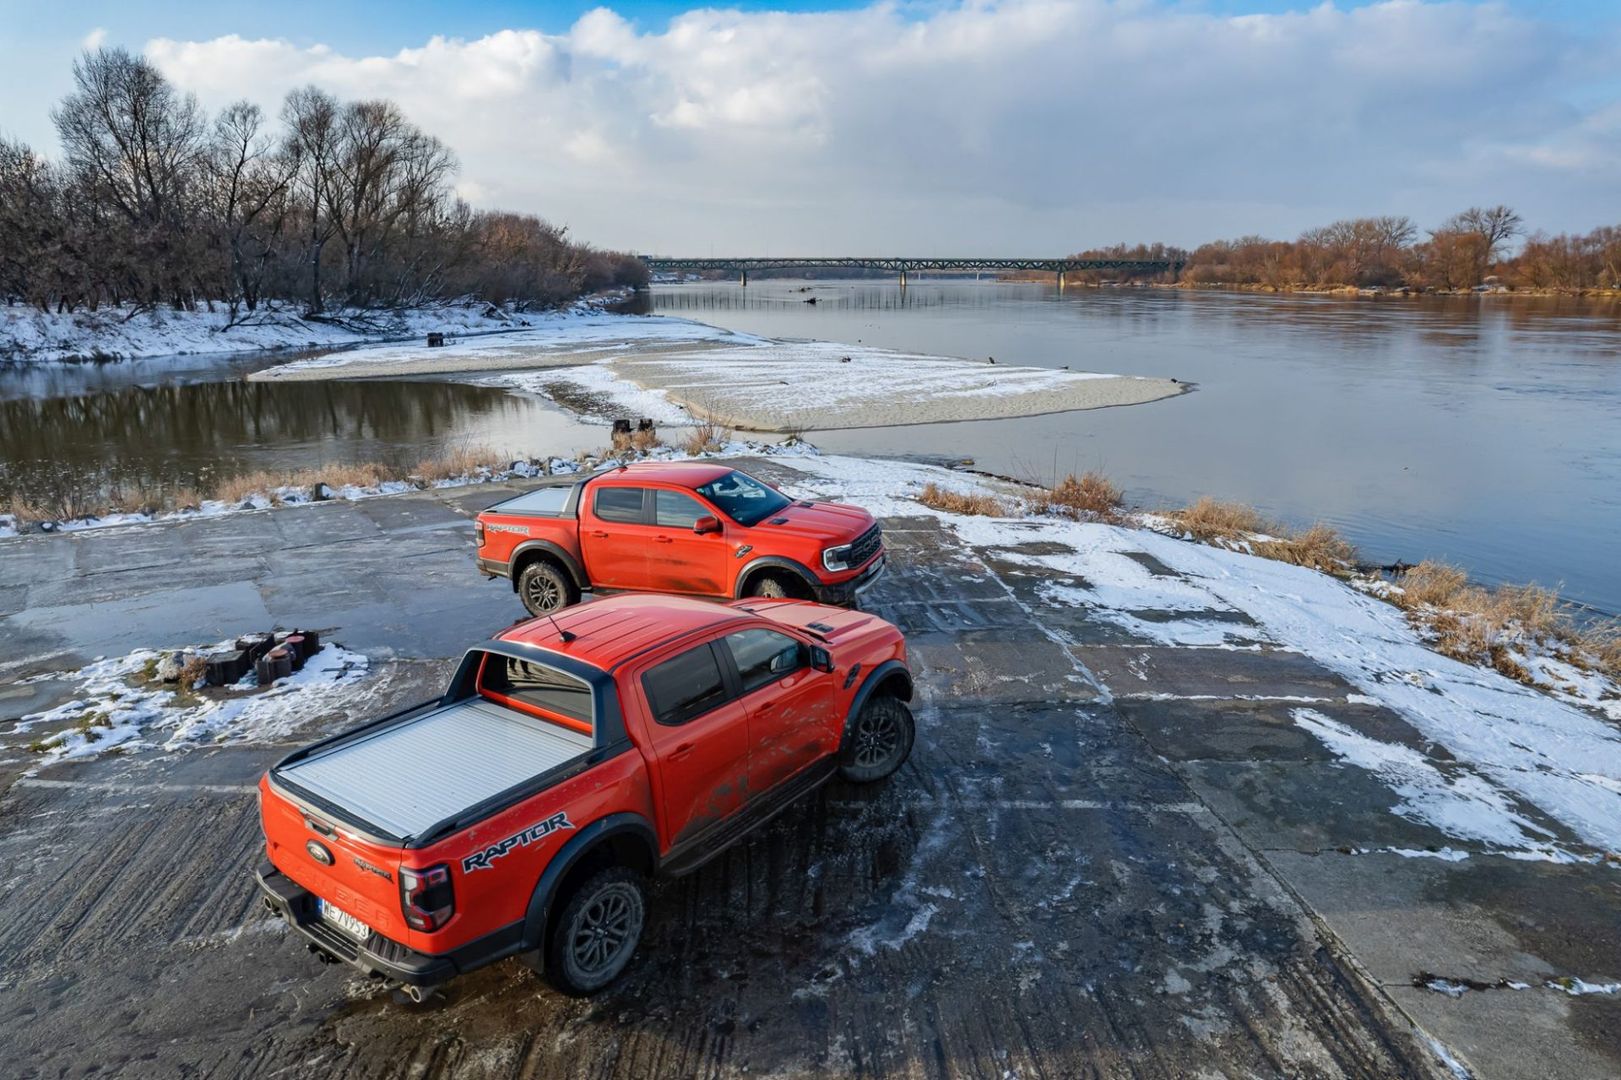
(1469, 249)
(332, 203)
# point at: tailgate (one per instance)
(357, 875)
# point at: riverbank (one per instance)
(31, 336)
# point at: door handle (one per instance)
(681, 751)
(662, 540)
(599, 532)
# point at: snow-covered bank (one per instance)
(670, 369)
(1513, 746)
(577, 337)
(119, 704)
(28, 335)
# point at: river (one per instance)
(1481, 430)
(1484, 431)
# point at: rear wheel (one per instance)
(598, 932)
(544, 588)
(879, 742)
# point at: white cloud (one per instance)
(94, 39)
(1011, 126)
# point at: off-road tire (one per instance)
(597, 932)
(879, 740)
(545, 589)
(770, 587)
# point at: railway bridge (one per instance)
(903, 265)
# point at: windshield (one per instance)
(743, 498)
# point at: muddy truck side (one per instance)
(692, 528)
(571, 760)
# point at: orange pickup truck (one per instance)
(696, 528)
(571, 760)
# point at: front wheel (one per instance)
(598, 932)
(544, 588)
(879, 742)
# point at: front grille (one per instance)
(866, 546)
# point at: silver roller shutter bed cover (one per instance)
(409, 777)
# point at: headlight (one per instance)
(837, 558)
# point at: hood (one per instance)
(830, 523)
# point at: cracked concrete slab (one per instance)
(1144, 671)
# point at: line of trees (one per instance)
(1469, 249)
(330, 205)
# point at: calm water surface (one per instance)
(1485, 431)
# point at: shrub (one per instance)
(1212, 520)
(709, 437)
(1089, 496)
(955, 502)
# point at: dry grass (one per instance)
(954, 502)
(1319, 547)
(1472, 623)
(1212, 520)
(1087, 497)
(709, 437)
(463, 461)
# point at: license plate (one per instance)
(345, 921)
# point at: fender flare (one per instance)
(774, 562)
(570, 564)
(587, 838)
(875, 678)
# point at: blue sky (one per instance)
(1007, 125)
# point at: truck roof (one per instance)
(691, 474)
(610, 631)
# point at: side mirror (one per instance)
(821, 659)
(709, 523)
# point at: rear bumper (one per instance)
(494, 567)
(377, 955)
(846, 591)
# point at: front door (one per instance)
(790, 723)
(700, 737)
(679, 559)
(616, 535)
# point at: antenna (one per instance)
(566, 635)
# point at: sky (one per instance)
(923, 127)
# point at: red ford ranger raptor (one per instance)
(571, 759)
(679, 527)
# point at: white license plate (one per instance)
(344, 921)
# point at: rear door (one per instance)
(616, 530)
(789, 705)
(681, 560)
(699, 737)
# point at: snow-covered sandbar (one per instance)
(673, 369)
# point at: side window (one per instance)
(674, 510)
(685, 686)
(764, 656)
(619, 504)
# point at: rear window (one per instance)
(673, 510)
(546, 500)
(685, 687)
(619, 504)
(538, 690)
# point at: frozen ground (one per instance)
(28, 335)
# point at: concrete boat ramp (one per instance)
(1107, 857)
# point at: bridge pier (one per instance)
(1060, 281)
(743, 278)
(903, 279)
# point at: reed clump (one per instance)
(956, 502)
(1088, 497)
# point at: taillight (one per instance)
(478, 533)
(426, 897)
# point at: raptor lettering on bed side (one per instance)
(481, 860)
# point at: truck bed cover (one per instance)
(408, 777)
